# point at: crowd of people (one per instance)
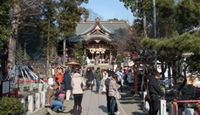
(65, 84)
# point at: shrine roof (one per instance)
(109, 26)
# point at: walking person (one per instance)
(67, 83)
(107, 83)
(78, 84)
(155, 93)
(125, 72)
(98, 78)
(112, 92)
(90, 78)
(105, 76)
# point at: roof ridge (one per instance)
(109, 22)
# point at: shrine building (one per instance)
(98, 38)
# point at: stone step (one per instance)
(101, 66)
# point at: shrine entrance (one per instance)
(98, 52)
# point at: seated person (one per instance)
(57, 105)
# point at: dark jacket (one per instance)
(67, 81)
(107, 83)
(98, 76)
(154, 87)
(90, 75)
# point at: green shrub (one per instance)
(10, 106)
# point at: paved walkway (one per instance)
(92, 104)
(95, 104)
(132, 105)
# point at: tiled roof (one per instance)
(110, 26)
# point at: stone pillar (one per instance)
(163, 107)
(30, 104)
(43, 99)
(37, 101)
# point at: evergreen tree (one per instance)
(69, 15)
(172, 16)
(142, 10)
(188, 15)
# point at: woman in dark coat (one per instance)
(67, 82)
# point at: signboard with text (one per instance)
(5, 87)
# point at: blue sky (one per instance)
(108, 9)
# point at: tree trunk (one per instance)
(14, 31)
(48, 56)
(145, 24)
(64, 51)
(52, 53)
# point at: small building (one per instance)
(98, 38)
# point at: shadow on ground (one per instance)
(131, 102)
(103, 108)
(138, 113)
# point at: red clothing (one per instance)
(59, 78)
